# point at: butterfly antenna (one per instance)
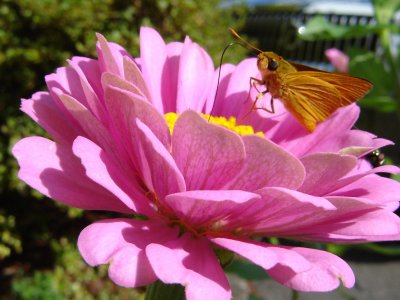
(236, 35)
(219, 75)
(242, 43)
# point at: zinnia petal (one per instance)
(57, 173)
(267, 164)
(207, 155)
(122, 243)
(326, 274)
(192, 263)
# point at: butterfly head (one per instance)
(268, 62)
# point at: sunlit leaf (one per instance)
(385, 10)
(319, 28)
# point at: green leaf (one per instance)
(380, 103)
(366, 65)
(246, 270)
(319, 28)
(385, 10)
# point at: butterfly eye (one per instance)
(272, 65)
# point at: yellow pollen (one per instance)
(222, 121)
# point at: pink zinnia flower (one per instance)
(338, 59)
(200, 186)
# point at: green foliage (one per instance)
(8, 239)
(70, 279)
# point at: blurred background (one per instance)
(38, 256)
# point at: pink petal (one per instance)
(338, 59)
(325, 138)
(101, 169)
(153, 55)
(122, 243)
(324, 170)
(66, 80)
(95, 105)
(54, 171)
(216, 102)
(90, 70)
(207, 155)
(91, 127)
(124, 107)
(357, 221)
(42, 109)
(110, 56)
(109, 79)
(326, 274)
(170, 76)
(196, 71)
(159, 170)
(264, 255)
(256, 252)
(133, 75)
(285, 212)
(202, 208)
(384, 191)
(354, 176)
(191, 263)
(239, 85)
(278, 211)
(267, 164)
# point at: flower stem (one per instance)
(161, 291)
(295, 295)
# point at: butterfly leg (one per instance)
(272, 110)
(253, 84)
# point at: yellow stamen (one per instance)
(222, 121)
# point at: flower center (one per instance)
(222, 121)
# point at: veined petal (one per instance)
(122, 244)
(327, 134)
(90, 70)
(110, 56)
(53, 170)
(133, 75)
(204, 207)
(264, 255)
(326, 273)
(90, 125)
(95, 104)
(356, 220)
(285, 212)
(159, 170)
(384, 191)
(323, 170)
(101, 169)
(42, 109)
(267, 164)
(207, 155)
(67, 80)
(191, 263)
(124, 107)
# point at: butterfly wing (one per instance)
(350, 88)
(312, 96)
